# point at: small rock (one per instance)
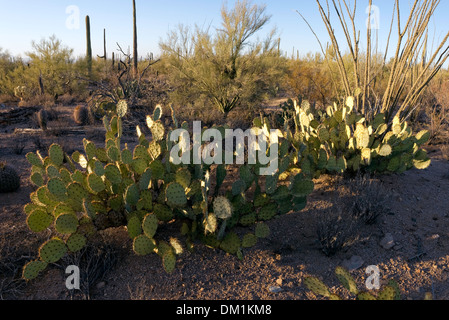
(354, 263)
(275, 289)
(279, 281)
(387, 242)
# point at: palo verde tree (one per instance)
(228, 67)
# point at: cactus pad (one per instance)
(76, 242)
(66, 223)
(175, 195)
(222, 208)
(56, 154)
(39, 220)
(149, 225)
(169, 261)
(52, 250)
(316, 286)
(231, 243)
(142, 245)
(32, 269)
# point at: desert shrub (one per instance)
(335, 229)
(229, 68)
(368, 200)
(142, 190)
(392, 86)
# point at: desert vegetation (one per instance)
(94, 139)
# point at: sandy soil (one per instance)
(417, 221)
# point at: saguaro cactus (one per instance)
(135, 56)
(89, 46)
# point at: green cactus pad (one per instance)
(76, 242)
(76, 192)
(316, 286)
(346, 280)
(52, 172)
(143, 246)
(157, 113)
(222, 208)
(386, 294)
(175, 195)
(134, 227)
(149, 225)
(248, 219)
(57, 187)
(268, 212)
(169, 261)
(52, 250)
(249, 240)
(32, 269)
(39, 220)
(56, 154)
(113, 153)
(34, 159)
(163, 212)
(113, 174)
(139, 165)
(146, 200)
(301, 187)
(132, 195)
(95, 183)
(365, 296)
(66, 223)
(183, 177)
(231, 243)
(127, 156)
(262, 230)
(37, 179)
(261, 200)
(157, 170)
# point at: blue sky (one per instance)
(26, 20)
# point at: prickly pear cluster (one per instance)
(389, 292)
(140, 189)
(342, 140)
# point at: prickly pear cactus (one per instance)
(390, 292)
(340, 140)
(109, 186)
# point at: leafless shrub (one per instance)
(335, 229)
(368, 200)
(94, 262)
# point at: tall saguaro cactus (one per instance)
(89, 46)
(135, 56)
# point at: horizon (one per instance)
(66, 20)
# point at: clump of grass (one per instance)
(368, 199)
(335, 230)
(94, 262)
